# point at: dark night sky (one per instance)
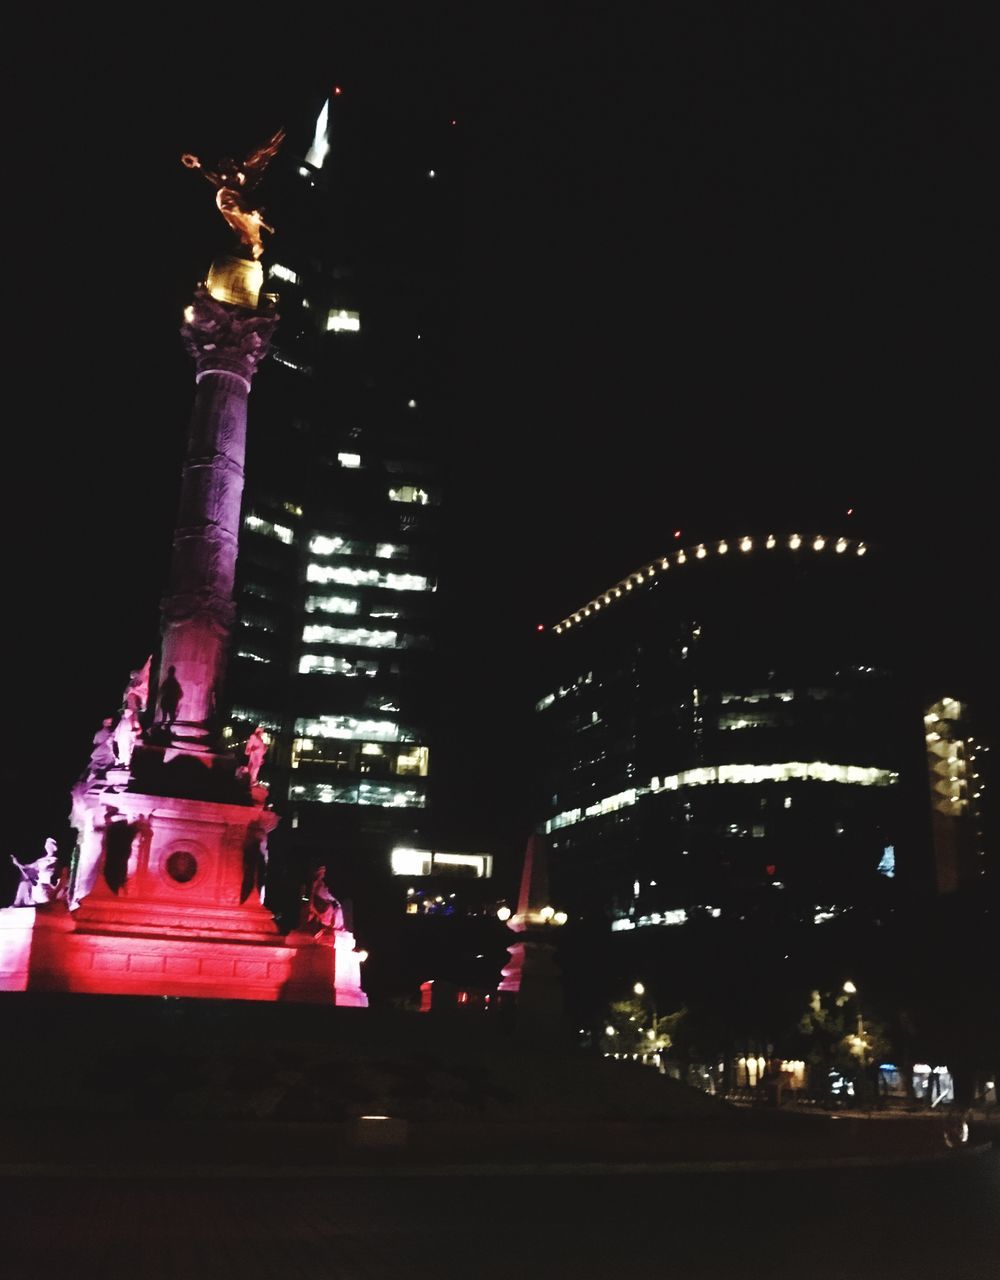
(720, 265)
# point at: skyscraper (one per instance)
(338, 572)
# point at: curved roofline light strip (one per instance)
(700, 551)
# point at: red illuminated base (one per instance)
(44, 949)
(164, 902)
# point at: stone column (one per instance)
(227, 344)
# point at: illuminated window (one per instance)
(349, 460)
(413, 763)
(817, 771)
(887, 863)
(422, 862)
(348, 576)
(331, 604)
(283, 273)
(361, 636)
(341, 321)
(409, 493)
(269, 530)
(320, 545)
(325, 664)
(251, 715)
(252, 655)
(350, 728)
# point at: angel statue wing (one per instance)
(257, 161)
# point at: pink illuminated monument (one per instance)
(164, 894)
(530, 980)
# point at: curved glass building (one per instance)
(724, 734)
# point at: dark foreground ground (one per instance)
(150, 1139)
(937, 1220)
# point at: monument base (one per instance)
(164, 901)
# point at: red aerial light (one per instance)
(771, 868)
(337, 91)
(454, 122)
(540, 627)
(850, 511)
(677, 533)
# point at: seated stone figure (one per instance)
(324, 909)
(39, 879)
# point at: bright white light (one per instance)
(323, 546)
(816, 771)
(701, 553)
(331, 604)
(503, 913)
(746, 544)
(850, 988)
(340, 321)
(346, 576)
(269, 530)
(771, 542)
(819, 544)
(411, 404)
(316, 633)
(795, 542)
(349, 459)
(841, 545)
(320, 147)
(410, 862)
(431, 173)
(723, 548)
(409, 493)
(348, 728)
(560, 917)
(862, 549)
(639, 989)
(609, 1031)
(282, 272)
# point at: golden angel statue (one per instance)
(233, 180)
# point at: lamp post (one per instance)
(639, 989)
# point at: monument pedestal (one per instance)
(164, 901)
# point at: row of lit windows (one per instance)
(347, 576)
(382, 794)
(322, 544)
(815, 771)
(349, 727)
(268, 528)
(355, 757)
(700, 552)
(424, 862)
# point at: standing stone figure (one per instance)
(171, 695)
(137, 690)
(103, 756)
(127, 733)
(256, 750)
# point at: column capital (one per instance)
(221, 338)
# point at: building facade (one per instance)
(724, 735)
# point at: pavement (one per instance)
(931, 1219)
(33, 1145)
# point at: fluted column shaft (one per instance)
(227, 344)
